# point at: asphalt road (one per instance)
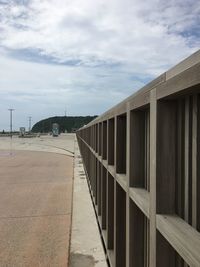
(35, 201)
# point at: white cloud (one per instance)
(112, 47)
(102, 31)
(43, 90)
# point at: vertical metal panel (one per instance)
(111, 153)
(137, 244)
(104, 141)
(186, 204)
(103, 197)
(121, 144)
(194, 161)
(137, 146)
(110, 211)
(120, 230)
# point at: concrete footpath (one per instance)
(86, 247)
(46, 214)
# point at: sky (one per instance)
(86, 56)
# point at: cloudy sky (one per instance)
(87, 55)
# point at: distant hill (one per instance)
(65, 123)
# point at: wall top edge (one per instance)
(183, 65)
(171, 73)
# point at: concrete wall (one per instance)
(141, 159)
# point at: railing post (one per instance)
(115, 164)
(128, 185)
(152, 212)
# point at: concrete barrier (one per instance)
(141, 159)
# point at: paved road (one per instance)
(35, 202)
(64, 144)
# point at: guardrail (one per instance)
(142, 163)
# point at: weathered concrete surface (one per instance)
(35, 205)
(82, 260)
(64, 144)
(86, 247)
(35, 208)
(183, 65)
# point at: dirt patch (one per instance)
(81, 260)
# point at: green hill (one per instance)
(65, 123)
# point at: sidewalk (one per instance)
(86, 247)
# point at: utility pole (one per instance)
(29, 119)
(11, 110)
(65, 117)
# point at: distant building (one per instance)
(55, 129)
(22, 131)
